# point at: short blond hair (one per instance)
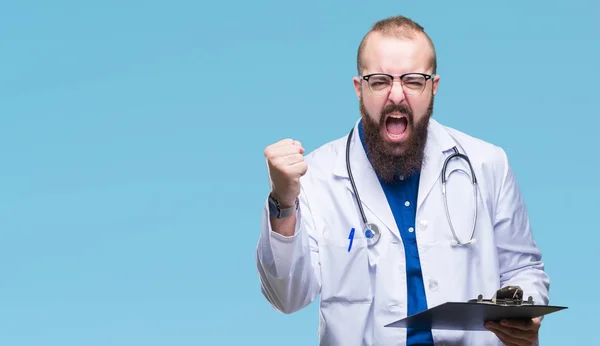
(397, 26)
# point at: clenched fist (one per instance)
(286, 165)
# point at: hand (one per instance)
(515, 332)
(286, 165)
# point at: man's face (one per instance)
(395, 122)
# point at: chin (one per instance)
(398, 149)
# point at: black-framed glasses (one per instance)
(412, 83)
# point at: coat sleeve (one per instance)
(288, 267)
(520, 259)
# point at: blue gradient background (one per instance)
(132, 174)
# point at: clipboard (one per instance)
(508, 303)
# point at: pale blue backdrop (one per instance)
(132, 174)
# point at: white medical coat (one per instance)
(365, 289)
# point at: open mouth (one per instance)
(396, 126)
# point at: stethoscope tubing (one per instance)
(373, 230)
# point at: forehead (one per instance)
(396, 55)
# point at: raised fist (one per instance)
(286, 165)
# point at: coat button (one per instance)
(433, 285)
(423, 224)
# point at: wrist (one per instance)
(282, 200)
(280, 209)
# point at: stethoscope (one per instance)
(372, 231)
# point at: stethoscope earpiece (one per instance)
(456, 154)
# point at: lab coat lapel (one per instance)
(438, 143)
(369, 188)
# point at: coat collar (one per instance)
(367, 183)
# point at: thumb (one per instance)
(299, 145)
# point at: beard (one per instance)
(389, 160)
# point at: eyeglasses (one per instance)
(412, 83)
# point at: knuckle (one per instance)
(272, 160)
(268, 151)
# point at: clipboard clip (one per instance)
(508, 296)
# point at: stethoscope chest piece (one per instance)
(372, 233)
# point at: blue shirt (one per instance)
(402, 197)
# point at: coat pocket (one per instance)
(345, 274)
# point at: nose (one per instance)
(397, 93)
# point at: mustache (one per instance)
(402, 109)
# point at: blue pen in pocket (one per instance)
(351, 237)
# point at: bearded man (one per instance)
(361, 221)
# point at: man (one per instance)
(313, 240)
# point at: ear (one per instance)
(357, 87)
(436, 82)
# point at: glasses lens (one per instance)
(380, 83)
(413, 83)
